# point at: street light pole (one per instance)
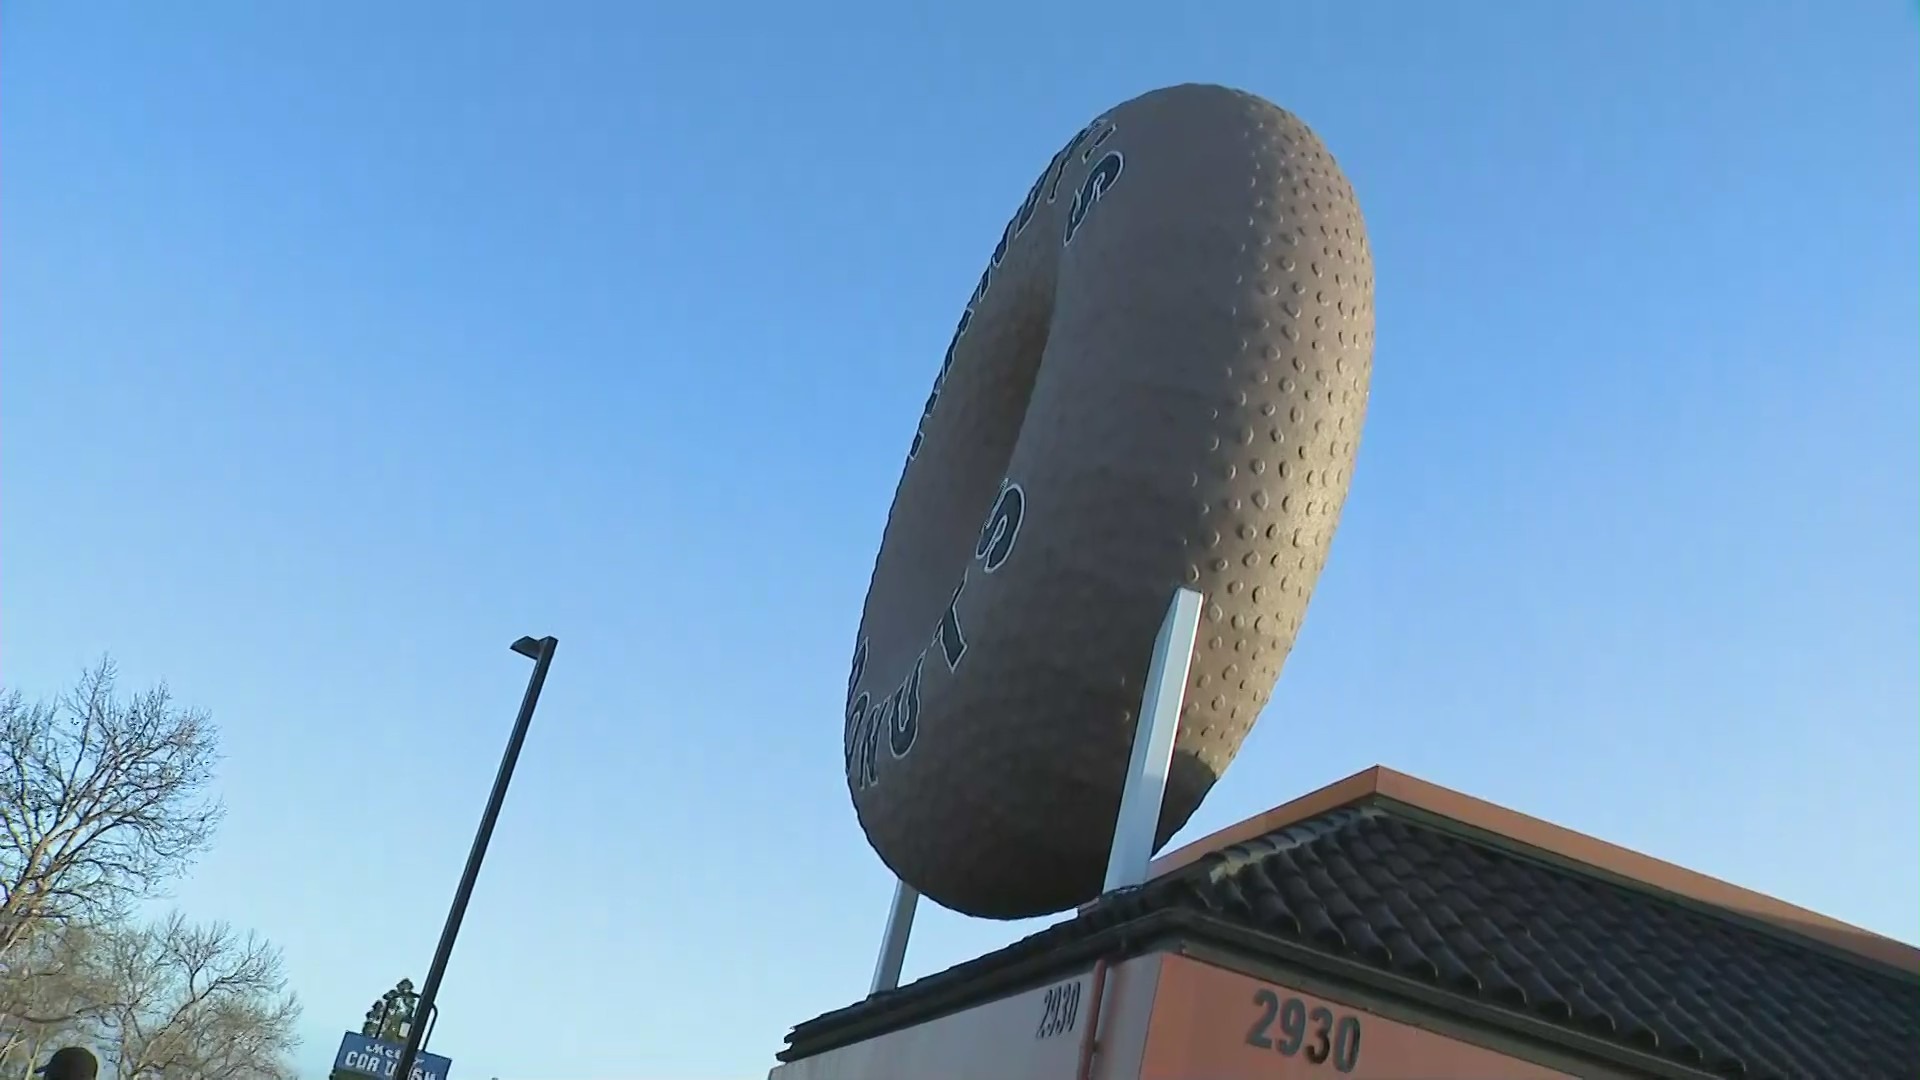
(541, 653)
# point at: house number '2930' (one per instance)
(1059, 1010)
(1291, 1026)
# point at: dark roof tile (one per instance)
(1691, 984)
(1620, 963)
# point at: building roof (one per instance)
(1406, 888)
(1507, 828)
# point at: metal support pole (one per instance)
(893, 944)
(1146, 786)
(541, 653)
(1139, 817)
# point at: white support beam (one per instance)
(1146, 782)
(1160, 701)
(893, 943)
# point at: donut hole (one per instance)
(948, 494)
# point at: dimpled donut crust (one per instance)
(1159, 381)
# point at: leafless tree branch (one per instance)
(199, 1002)
(103, 799)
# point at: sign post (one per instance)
(380, 1059)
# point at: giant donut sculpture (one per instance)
(1159, 381)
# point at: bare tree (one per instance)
(192, 1002)
(102, 800)
(50, 993)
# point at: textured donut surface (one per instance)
(1159, 381)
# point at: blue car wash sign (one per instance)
(379, 1058)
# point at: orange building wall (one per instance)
(1210, 1024)
(1166, 1017)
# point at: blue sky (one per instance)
(344, 343)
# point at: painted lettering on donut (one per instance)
(1050, 176)
(862, 732)
(939, 383)
(980, 287)
(1099, 180)
(856, 706)
(1024, 216)
(859, 668)
(905, 727)
(951, 639)
(1002, 530)
(856, 717)
(1058, 166)
(1086, 140)
(946, 359)
(898, 713)
(869, 763)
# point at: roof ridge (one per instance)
(1224, 865)
(1288, 837)
(1766, 924)
(1511, 828)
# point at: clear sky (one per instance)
(346, 342)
